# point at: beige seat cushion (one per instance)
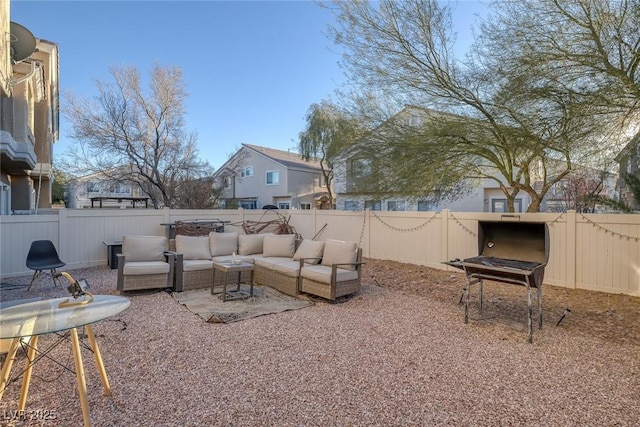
(249, 244)
(223, 243)
(269, 263)
(145, 267)
(143, 248)
(283, 245)
(322, 274)
(310, 249)
(287, 268)
(193, 247)
(338, 252)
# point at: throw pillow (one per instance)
(309, 249)
(338, 252)
(250, 244)
(223, 243)
(193, 247)
(281, 245)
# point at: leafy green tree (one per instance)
(58, 189)
(501, 118)
(589, 46)
(327, 133)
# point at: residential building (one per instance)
(29, 117)
(111, 194)
(483, 195)
(629, 161)
(255, 177)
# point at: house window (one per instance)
(500, 205)
(374, 205)
(350, 205)
(93, 187)
(396, 205)
(248, 171)
(273, 177)
(425, 206)
(305, 206)
(122, 189)
(227, 182)
(249, 204)
(360, 167)
(413, 120)
(284, 205)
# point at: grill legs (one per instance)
(530, 310)
(467, 292)
(473, 279)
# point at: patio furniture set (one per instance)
(328, 269)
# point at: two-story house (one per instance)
(629, 161)
(482, 195)
(29, 117)
(255, 177)
(97, 190)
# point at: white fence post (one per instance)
(444, 238)
(571, 249)
(65, 240)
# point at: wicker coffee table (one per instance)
(230, 267)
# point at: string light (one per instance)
(465, 228)
(557, 219)
(404, 230)
(606, 230)
(364, 221)
(473, 233)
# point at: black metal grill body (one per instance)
(511, 252)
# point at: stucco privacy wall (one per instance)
(588, 251)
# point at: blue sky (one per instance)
(251, 68)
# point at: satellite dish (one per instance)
(23, 43)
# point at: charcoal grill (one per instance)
(510, 251)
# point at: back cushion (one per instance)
(338, 252)
(193, 247)
(282, 245)
(309, 249)
(223, 243)
(250, 244)
(144, 248)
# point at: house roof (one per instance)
(286, 158)
(629, 148)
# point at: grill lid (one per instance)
(521, 241)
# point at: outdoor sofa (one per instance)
(329, 269)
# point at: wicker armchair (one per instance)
(338, 274)
(145, 263)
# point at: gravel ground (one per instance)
(397, 353)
